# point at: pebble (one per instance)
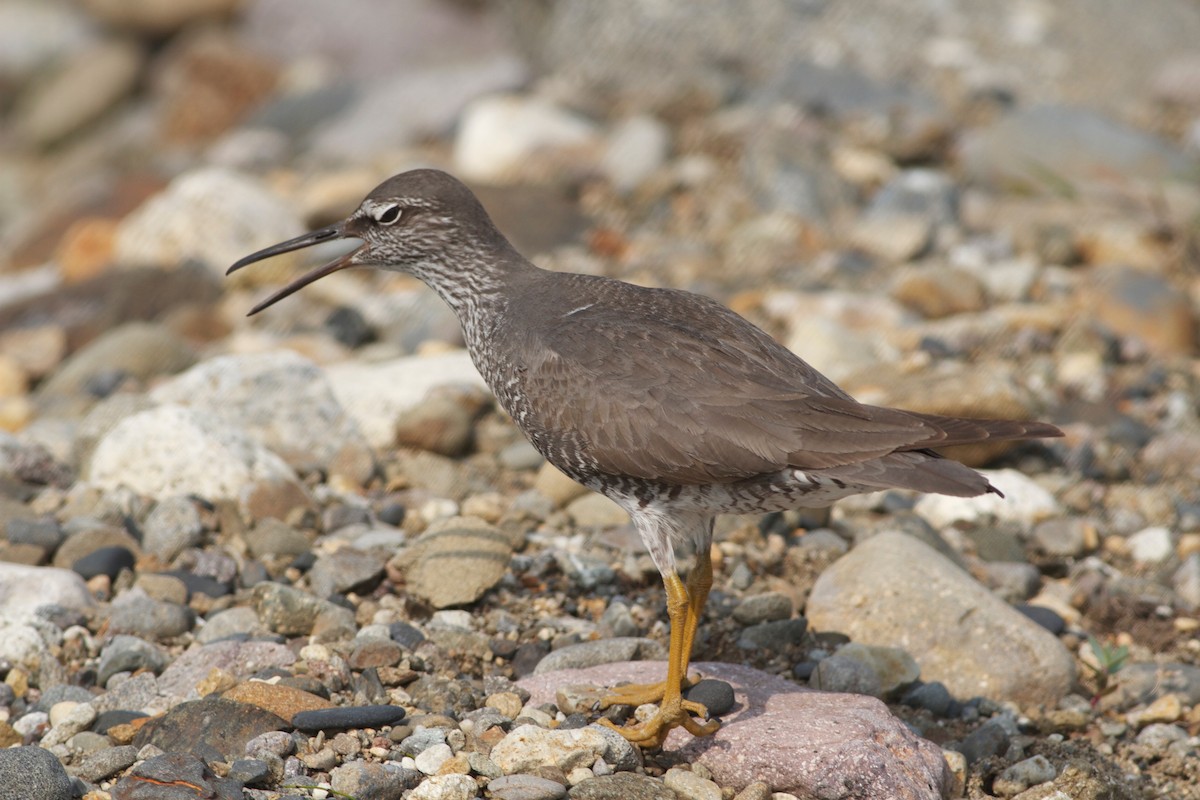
(129, 654)
(171, 527)
(777, 635)
(637, 147)
(240, 659)
(528, 747)
(34, 772)
(476, 553)
(1017, 778)
(933, 697)
(1024, 502)
(622, 786)
(346, 718)
(989, 739)
(856, 597)
(283, 701)
(525, 787)
(439, 424)
(716, 696)
(105, 763)
(172, 769)
(107, 561)
(445, 787)
(840, 674)
(135, 613)
(893, 667)
(1070, 537)
(1151, 545)
(766, 607)
(689, 785)
(344, 569)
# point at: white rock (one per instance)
(176, 450)
(23, 589)
(688, 784)
(498, 133)
(1024, 502)
(431, 759)
(77, 719)
(281, 399)
(20, 643)
(529, 747)
(1150, 545)
(445, 787)
(375, 394)
(636, 148)
(214, 216)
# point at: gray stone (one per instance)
(135, 613)
(840, 674)
(105, 763)
(280, 399)
(27, 772)
(777, 635)
(178, 681)
(1186, 581)
(1022, 775)
(600, 651)
(893, 667)
(129, 654)
(766, 607)
(230, 622)
(1141, 682)
(690, 786)
(291, 612)
(362, 779)
(173, 526)
(622, 786)
(343, 569)
(811, 744)
(1012, 581)
(525, 787)
(989, 739)
(1063, 537)
(962, 634)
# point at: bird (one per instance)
(665, 401)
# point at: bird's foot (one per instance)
(673, 713)
(638, 694)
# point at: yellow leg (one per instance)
(684, 605)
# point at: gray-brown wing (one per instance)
(697, 395)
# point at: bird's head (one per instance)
(424, 222)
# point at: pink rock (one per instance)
(817, 745)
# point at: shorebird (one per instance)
(665, 401)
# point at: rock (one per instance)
(107, 561)
(1072, 144)
(1185, 581)
(1024, 503)
(1145, 682)
(445, 787)
(375, 394)
(846, 675)
(1068, 537)
(147, 780)
(938, 291)
(893, 239)
(525, 787)
(35, 35)
(230, 623)
(135, 613)
(717, 697)
(597, 511)
(24, 589)
(171, 450)
(600, 651)
(1012, 581)
(241, 659)
(637, 147)
(622, 786)
(347, 718)
(280, 399)
(498, 135)
(474, 552)
(1151, 545)
(33, 772)
(964, 636)
(989, 739)
(1175, 453)
(811, 744)
(291, 612)
(691, 786)
(171, 527)
(212, 722)
(82, 89)
(129, 654)
(431, 759)
(933, 697)
(360, 779)
(1141, 305)
(95, 767)
(284, 702)
(557, 487)
(271, 537)
(211, 215)
(440, 424)
(766, 607)
(157, 19)
(777, 635)
(528, 747)
(894, 667)
(342, 570)
(139, 350)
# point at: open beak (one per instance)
(328, 234)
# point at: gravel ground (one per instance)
(305, 555)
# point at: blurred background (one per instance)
(952, 206)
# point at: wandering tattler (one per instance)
(665, 401)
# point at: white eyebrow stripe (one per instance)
(577, 310)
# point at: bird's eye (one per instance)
(387, 215)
